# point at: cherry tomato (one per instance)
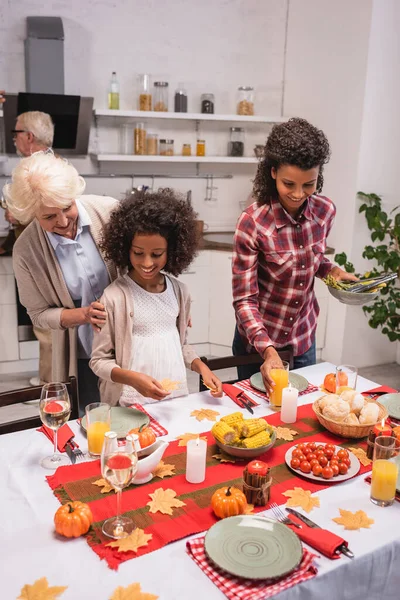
(345, 461)
(305, 466)
(312, 446)
(295, 463)
(343, 468)
(323, 461)
(335, 468)
(313, 462)
(327, 473)
(317, 469)
(301, 447)
(333, 462)
(329, 453)
(301, 457)
(320, 449)
(343, 454)
(297, 453)
(330, 447)
(311, 456)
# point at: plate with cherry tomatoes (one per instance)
(322, 462)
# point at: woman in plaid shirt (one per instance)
(279, 248)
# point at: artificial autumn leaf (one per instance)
(285, 433)
(362, 456)
(105, 485)
(132, 592)
(353, 521)
(164, 501)
(205, 413)
(162, 470)
(40, 590)
(302, 498)
(168, 385)
(249, 509)
(185, 437)
(132, 542)
(224, 458)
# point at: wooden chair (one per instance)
(33, 393)
(227, 362)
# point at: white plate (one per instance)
(353, 469)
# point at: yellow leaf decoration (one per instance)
(249, 509)
(132, 592)
(185, 437)
(353, 521)
(133, 542)
(106, 487)
(362, 456)
(224, 458)
(205, 414)
(40, 590)
(302, 498)
(164, 501)
(168, 385)
(285, 433)
(162, 470)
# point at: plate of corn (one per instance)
(245, 438)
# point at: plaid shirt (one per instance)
(274, 263)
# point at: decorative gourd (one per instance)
(228, 502)
(146, 435)
(73, 519)
(330, 383)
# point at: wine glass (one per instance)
(55, 409)
(119, 465)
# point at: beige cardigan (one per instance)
(42, 287)
(106, 354)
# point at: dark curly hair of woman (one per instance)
(161, 212)
(297, 143)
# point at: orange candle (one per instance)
(257, 467)
(382, 429)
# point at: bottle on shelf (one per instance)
(186, 150)
(160, 103)
(181, 99)
(140, 138)
(145, 97)
(113, 92)
(236, 143)
(152, 143)
(245, 100)
(207, 104)
(201, 148)
(166, 147)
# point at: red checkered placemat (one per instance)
(247, 387)
(239, 588)
(155, 425)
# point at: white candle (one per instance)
(196, 451)
(289, 405)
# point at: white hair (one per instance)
(41, 180)
(40, 124)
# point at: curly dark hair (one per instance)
(295, 142)
(162, 212)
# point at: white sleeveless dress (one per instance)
(156, 345)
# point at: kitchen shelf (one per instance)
(175, 159)
(144, 114)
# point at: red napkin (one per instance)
(397, 497)
(378, 391)
(233, 393)
(322, 540)
(64, 435)
(239, 588)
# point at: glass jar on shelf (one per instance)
(144, 100)
(236, 142)
(186, 150)
(207, 104)
(140, 138)
(245, 101)
(126, 138)
(160, 100)
(152, 143)
(166, 147)
(201, 148)
(181, 99)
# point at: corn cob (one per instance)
(238, 428)
(253, 426)
(224, 433)
(235, 417)
(255, 441)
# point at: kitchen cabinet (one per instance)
(222, 315)
(9, 349)
(197, 279)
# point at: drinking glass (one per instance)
(385, 470)
(55, 409)
(98, 419)
(280, 375)
(346, 378)
(119, 465)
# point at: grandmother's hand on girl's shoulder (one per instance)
(96, 315)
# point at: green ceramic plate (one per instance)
(392, 403)
(297, 381)
(247, 452)
(253, 547)
(123, 419)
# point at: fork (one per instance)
(281, 517)
(77, 451)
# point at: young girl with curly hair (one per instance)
(141, 352)
(279, 248)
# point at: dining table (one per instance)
(30, 549)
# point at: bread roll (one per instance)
(369, 414)
(327, 399)
(337, 411)
(351, 419)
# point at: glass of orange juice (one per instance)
(385, 470)
(346, 378)
(98, 420)
(280, 375)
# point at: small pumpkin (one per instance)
(330, 383)
(228, 502)
(73, 519)
(146, 435)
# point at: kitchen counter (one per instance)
(223, 240)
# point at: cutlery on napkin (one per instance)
(64, 435)
(239, 397)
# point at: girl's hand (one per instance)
(272, 360)
(96, 315)
(148, 386)
(211, 381)
(340, 275)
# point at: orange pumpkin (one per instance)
(228, 502)
(73, 519)
(396, 431)
(146, 435)
(330, 383)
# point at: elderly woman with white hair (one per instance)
(59, 268)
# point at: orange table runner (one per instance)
(75, 482)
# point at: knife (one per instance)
(246, 404)
(343, 548)
(69, 451)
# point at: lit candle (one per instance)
(257, 467)
(196, 451)
(289, 404)
(382, 429)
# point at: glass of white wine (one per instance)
(119, 465)
(55, 409)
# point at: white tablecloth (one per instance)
(29, 549)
